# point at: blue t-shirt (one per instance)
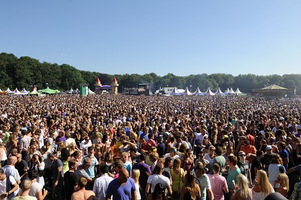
(121, 192)
(284, 154)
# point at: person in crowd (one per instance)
(135, 176)
(122, 187)
(70, 179)
(203, 181)
(177, 174)
(11, 171)
(243, 191)
(36, 188)
(57, 176)
(82, 193)
(233, 172)
(281, 185)
(156, 178)
(191, 189)
(102, 182)
(244, 166)
(8, 185)
(25, 187)
(262, 187)
(218, 183)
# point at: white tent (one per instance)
(219, 92)
(8, 90)
(187, 92)
(176, 92)
(238, 92)
(76, 91)
(209, 92)
(24, 91)
(227, 91)
(70, 91)
(0, 90)
(90, 91)
(231, 91)
(198, 92)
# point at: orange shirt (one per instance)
(248, 149)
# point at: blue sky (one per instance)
(162, 36)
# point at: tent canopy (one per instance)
(49, 91)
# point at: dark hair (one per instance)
(71, 162)
(216, 167)
(142, 157)
(104, 169)
(32, 174)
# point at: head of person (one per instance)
(177, 164)
(2, 174)
(26, 185)
(87, 163)
(159, 168)
(104, 169)
(82, 182)
(190, 180)
(263, 181)
(33, 174)
(72, 164)
(136, 175)
(118, 165)
(125, 156)
(283, 180)
(12, 160)
(232, 160)
(199, 169)
(168, 162)
(91, 151)
(242, 183)
(123, 175)
(242, 156)
(216, 168)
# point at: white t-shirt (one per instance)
(35, 188)
(154, 179)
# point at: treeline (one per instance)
(24, 72)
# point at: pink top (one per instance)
(218, 182)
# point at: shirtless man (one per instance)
(82, 193)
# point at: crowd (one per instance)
(137, 147)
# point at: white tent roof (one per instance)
(198, 92)
(8, 90)
(238, 91)
(231, 91)
(209, 92)
(76, 91)
(24, 91)
(219, 92)
(16, 91)
(187, 92)
(90, 91)
(176, 92)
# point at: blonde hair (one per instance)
(242, 183)
(285, 180)
(263, 182)
(136, 175)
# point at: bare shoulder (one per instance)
(90, 195)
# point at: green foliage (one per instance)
(25, 72)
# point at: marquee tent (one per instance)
(187, 92)
(49, 91)
(219, 92)
(209, 92)
(198, 92)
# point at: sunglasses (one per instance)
(242, 154)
